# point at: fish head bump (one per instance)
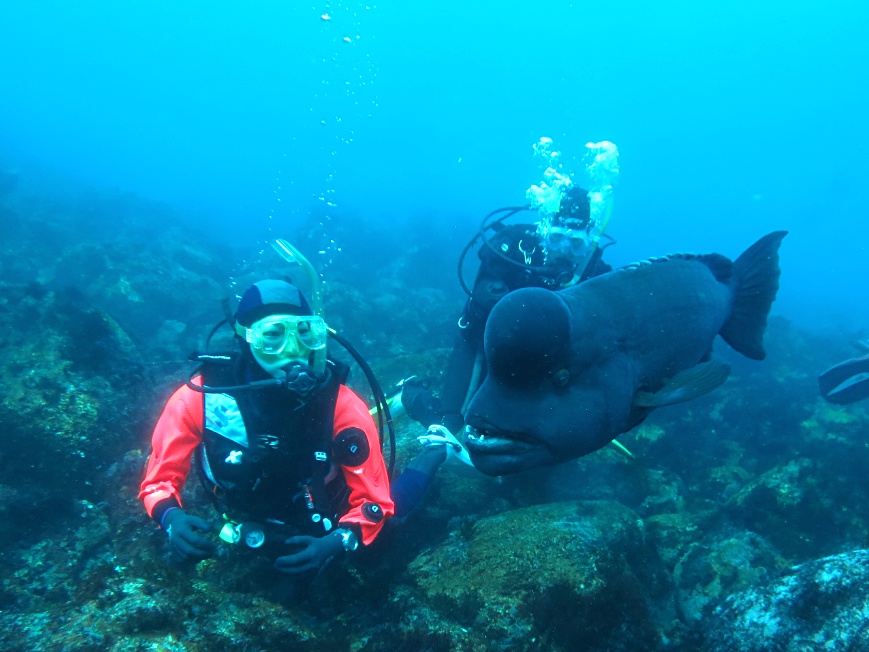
(517, 419)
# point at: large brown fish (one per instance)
(571, 370)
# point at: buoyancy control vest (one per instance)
(267, 455)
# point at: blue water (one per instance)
(732, 120)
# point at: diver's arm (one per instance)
(177, 434)
(370, 501)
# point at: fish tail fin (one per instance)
(757, 275)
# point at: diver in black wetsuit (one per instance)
(512, 256)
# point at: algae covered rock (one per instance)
(817, 605)
(558, 573)
(710, 571)
(143, 286)
(68, 372)
(801, 506)
(671, 535)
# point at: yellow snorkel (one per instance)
(292, 255)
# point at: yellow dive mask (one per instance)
(288, 336)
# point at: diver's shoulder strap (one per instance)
(340, 371)
(217, 369)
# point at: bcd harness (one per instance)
(269, 456)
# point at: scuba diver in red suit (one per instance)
(289, 452)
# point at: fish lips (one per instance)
(499, 452)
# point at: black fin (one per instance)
(846, 382)
(686, 385)
(757, 275)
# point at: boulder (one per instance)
(819, 605)
(558, 575)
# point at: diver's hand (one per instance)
(181, 528)
(315, 553)
(419, 403)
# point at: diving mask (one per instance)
(291, 337)
(560, 240)
(280, 343)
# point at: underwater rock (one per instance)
(777, 502)
(817, 605)
(721, 484)
(672, 534)
(664, 493)
(791, 506)
(70, 374)
(551, 575)
(419, 320)
(710, 571)
(168, 333)
(144, 285)
(129, 256)
(607, 475)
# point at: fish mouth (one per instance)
(498, 452)
(491, 441)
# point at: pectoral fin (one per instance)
(686, 385)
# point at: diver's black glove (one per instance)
(181, 529)
(315, 553)
(419, 403)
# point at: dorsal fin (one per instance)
(720, 266)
